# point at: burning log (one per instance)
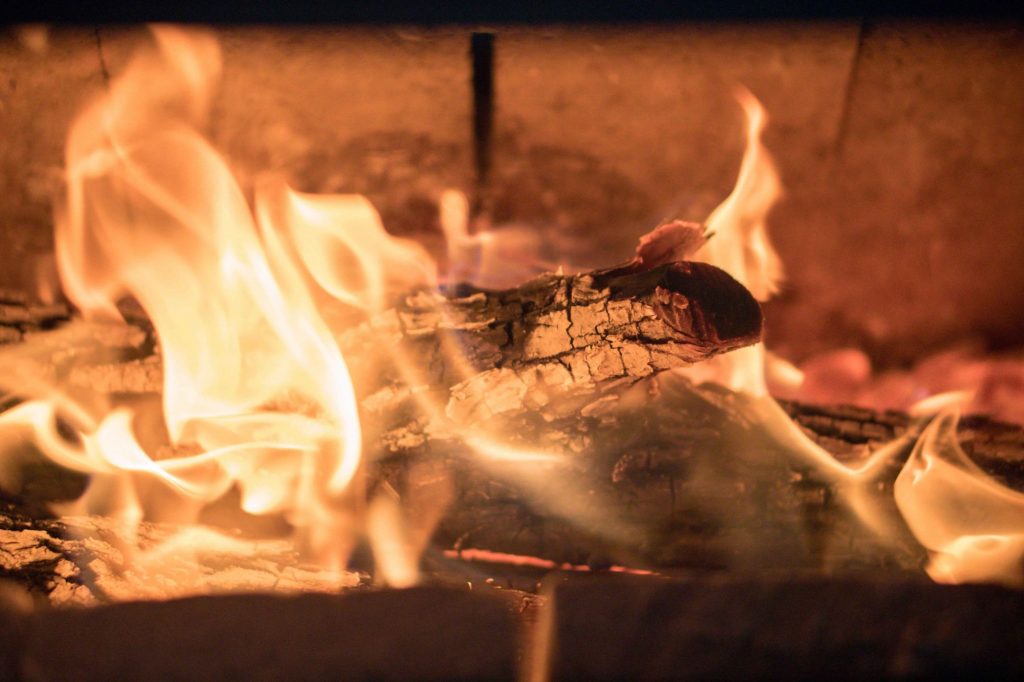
(489, 353)
(697, 485)
(700, 487)
(486, 353)
(88, 560)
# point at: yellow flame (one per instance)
(972, 525)
(252, 374)
(495, 256)
(740, 245)
(342, 242)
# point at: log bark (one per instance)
(477, 354)
(499, 352)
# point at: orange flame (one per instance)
(255, 381)
(739, 245)
(252, 375)
(973, 526)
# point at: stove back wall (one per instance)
(901, 146)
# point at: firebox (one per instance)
(661, 344)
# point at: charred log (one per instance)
(665, 475)
(498, 352)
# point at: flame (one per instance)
(252, 376)
(495, 256)
(739, 244)
(342, 242)
(972, 525)
(257, 395)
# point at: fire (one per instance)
(257, 397)
(972, 525)
(253, 379)
(739, 245)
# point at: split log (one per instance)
(671, 463)
(478, 354)
(680, 481)
(500, 352)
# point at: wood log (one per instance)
(691, 484)
(746, 627)
(697, 487)
(678, 478)
(477, 354)
(92, 560)
(653, 471)
(420, 633)
(500, 352)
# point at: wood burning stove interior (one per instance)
(683, 538)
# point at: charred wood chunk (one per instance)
(794, 628)
(498, 352)
(420, 633)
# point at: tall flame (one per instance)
(252, 376)
(739, 245)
